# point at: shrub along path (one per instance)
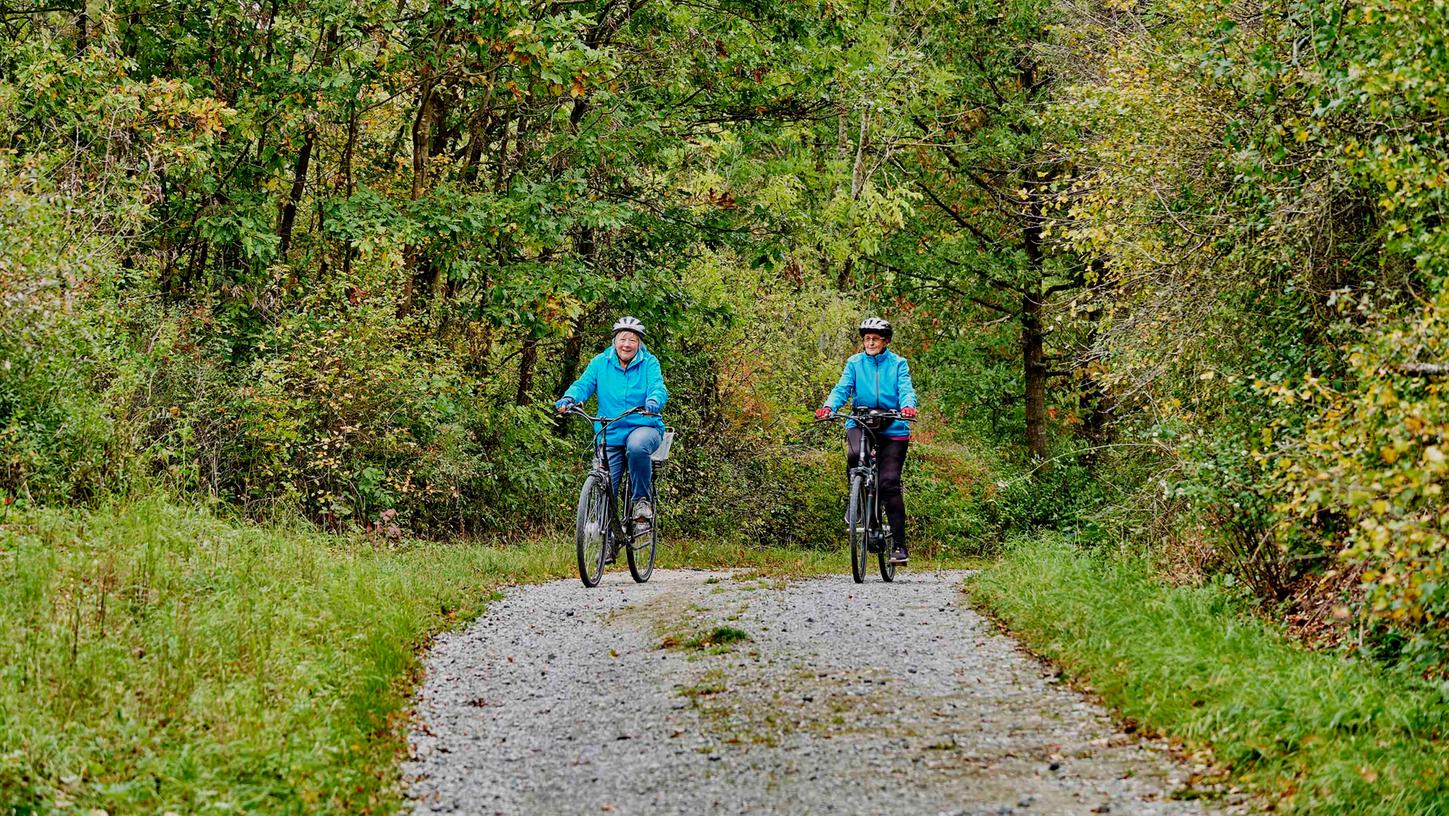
(719, 692)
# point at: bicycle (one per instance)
(868, 531)
(599, 531)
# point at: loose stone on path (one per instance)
(841, 699)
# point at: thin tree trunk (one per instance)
(526, 363)
(422, 123)
(587, 249)
(294, 197)
(857, 174)
(417, 277)
(349, 147)
(1033, 343)
(1034, 368)
(82, 30)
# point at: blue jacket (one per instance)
(882, 381)
(620, 389)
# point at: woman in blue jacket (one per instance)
(626, 376)
(879, 378)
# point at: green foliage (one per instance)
(354, 415)
(1314, 731)
(1263, 196)
(59, 439)
(1367, 479)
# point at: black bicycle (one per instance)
(869, 531)
(601, 532)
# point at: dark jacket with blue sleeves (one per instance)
(620, 389)
(881, 381)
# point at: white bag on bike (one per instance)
(661, 453)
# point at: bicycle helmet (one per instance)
(875, 325)
(627, 323)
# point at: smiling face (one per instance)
(873, 343)
(626, 345)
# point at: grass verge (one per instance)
(157, 658)
(1314, 732)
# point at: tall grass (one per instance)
(1319, 731)
(157, 658)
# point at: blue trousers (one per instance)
(641, 443)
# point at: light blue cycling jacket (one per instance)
(620, 389)
(882, 381)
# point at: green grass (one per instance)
(716, 641)
(1315, 731)
(158, 658)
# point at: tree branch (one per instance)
(958, 218)
(1423, 369)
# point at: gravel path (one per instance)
(843, 699)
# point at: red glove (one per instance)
(908, 413)
(823, 413)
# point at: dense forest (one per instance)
(1171, 275)
(1183, 263)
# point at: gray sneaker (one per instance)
(898, 555)
(643, 510)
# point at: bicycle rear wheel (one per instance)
(855, 521)
(591, 531)
(643, 546)
(887, 569)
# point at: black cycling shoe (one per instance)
(612, 555)
(898, 555)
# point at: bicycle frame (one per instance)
(614, 532)
(869, 467)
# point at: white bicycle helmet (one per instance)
(627, 323)
(875, 325)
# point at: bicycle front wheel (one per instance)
(643, 544)
(855, 520)
(591, 531)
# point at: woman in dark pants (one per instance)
(879, 378)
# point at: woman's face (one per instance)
(873, 343)
(626, 345)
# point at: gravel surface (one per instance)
(837, 698)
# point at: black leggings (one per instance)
(890, 456)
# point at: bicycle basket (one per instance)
(661, 453)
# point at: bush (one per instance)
(354, 415)
(61, 358)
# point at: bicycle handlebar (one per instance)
(868, 413)
(576, 409)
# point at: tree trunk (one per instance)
(294, 197)
(82, 30)
(525, 372)
(1034, 369)
(857, 173)
(418, 277)
(422, 123)
(1033, 338)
